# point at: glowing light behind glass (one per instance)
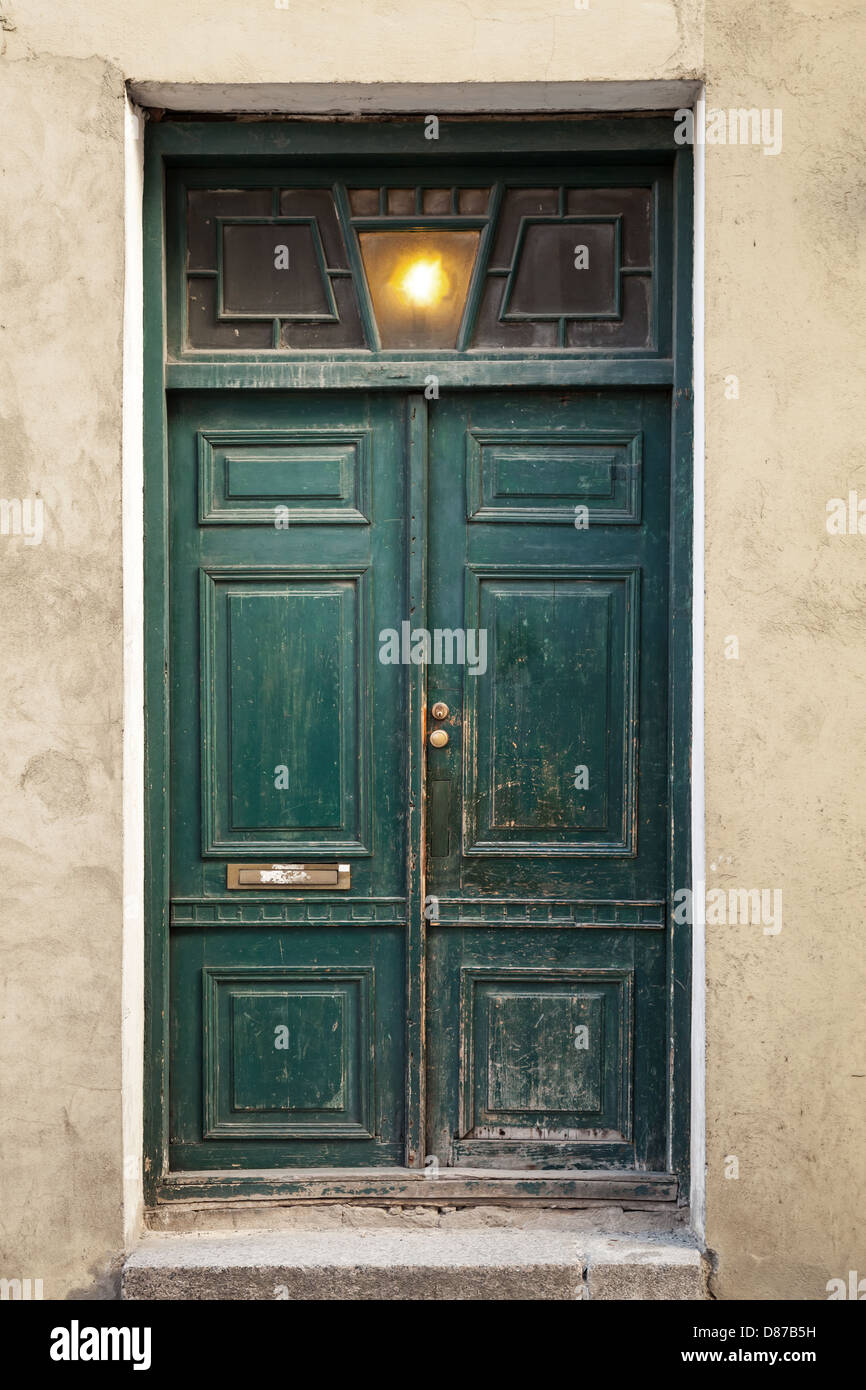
(418, 283)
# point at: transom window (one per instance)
(420, 267)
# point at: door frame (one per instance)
(497, 140)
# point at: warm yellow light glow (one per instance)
(424, 282)
(418, 279)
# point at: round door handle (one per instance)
(438, 738)
(439, 710)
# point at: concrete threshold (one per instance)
(354, 1262)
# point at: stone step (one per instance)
(354, 1264)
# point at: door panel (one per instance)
(561, 642)
(288, 1003)
(548, 807)
(282, 661)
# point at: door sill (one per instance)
(412, 1187)
(558, 1259)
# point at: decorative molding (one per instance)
(480, 840)
(619, 451)
(218, 1034)
(350, 450)
(612, 1119)
(218, 840)
(649, 915)
(265, 912)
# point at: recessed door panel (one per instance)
(287, 1052)
(284, 699)
(564, 642)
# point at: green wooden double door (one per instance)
(419, 779)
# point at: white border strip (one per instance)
(132, 484)
(698, 1196)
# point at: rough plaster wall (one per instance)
(373, 40)
(784, 740)
(61, 250)
(785, 728)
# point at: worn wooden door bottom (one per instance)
(407, 1186)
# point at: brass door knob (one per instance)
(438, 738)
(439, 710)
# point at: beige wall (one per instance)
(784, 730)
(61, 253)
(786, 737)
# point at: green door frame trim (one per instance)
(218, 146)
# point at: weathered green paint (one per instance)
(683, 465)
(576, 618)
(417, 464)
(288, 743)
(405, 1187)
(483, 980)
(408, 373)
(156, 707)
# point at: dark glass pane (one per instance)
(347, 333)
(205, 331)
(489, 332)
(569, 274)
(205, 205)
(518, 203)
(635, 207)
(436, 201)
(401, 202)
(272, 269)
(473, 200)
(364, 202)
(632, 330)
(565, 268)
(318, 203)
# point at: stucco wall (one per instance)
(784, 737)
(61, 636)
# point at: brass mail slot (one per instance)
(288, 876)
